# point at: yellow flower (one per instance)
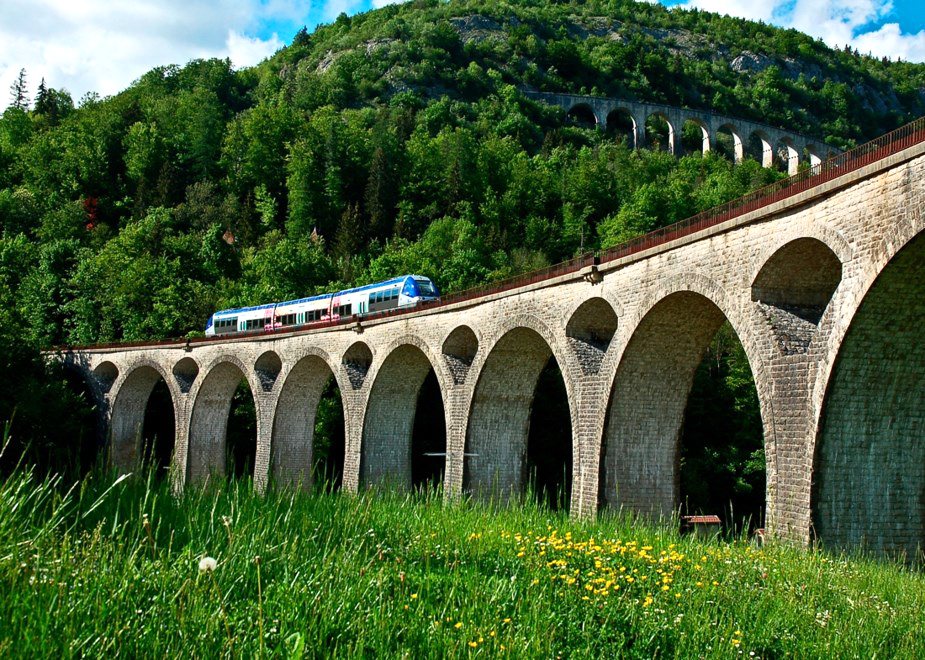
(736, 642)
(473, 644)
(414, 596)
(458, 625)
(508, 620)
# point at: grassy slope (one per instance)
(389, 575)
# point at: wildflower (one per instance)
(508, 620)
(458, 625)
(207, 565)
(473, 644)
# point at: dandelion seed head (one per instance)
(207, 565)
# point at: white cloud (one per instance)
(890, 41)
(837, 22)
(244, 50)
(95, 45)
(378, 4)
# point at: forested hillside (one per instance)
(395, 141)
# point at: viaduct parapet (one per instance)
(825, 288)
(774, 143)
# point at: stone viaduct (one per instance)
(824, 284)
(775, 143)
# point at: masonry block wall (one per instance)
(818, 288)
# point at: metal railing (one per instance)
(844, 163)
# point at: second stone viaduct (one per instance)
(773, 144)
(825, 288)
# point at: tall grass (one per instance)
(111, 568)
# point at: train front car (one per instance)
(418, 289)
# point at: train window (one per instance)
(426, 288)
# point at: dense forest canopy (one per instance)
(398, 140)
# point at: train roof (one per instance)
(366, 287)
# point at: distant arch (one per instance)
(622, 123)
(695, 136)
(729, 143)
(759, 148)
(660, 133)
(787, 156)
(582, 115)
(813, 154)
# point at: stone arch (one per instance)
(185, 372)
(267, 367)
(386, 450)
(868, 480)
(813, 154)
(357, 361)
(760, 148)
(793, 289)
(620, 121)
(459, 351)
(207, 442)
(105, 374)
(582, 114)
(590, 330)
(788, 155)
(650, 389)
(292, 443)
(499, 415)
(652, 139)
(128, 412)
(698, 127)
(728, 140)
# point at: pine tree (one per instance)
(42, 100)
(19, 97)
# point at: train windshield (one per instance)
(426, 288)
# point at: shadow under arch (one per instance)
(207, 453)
(390, 449)
(641, 452)
(293, 452)
(128, 413)
(498, 448)
(868, 481)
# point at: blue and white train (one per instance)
(404, 291)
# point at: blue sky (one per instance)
(102, 46)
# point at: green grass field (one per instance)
(112, 568)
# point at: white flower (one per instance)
(207, 565)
